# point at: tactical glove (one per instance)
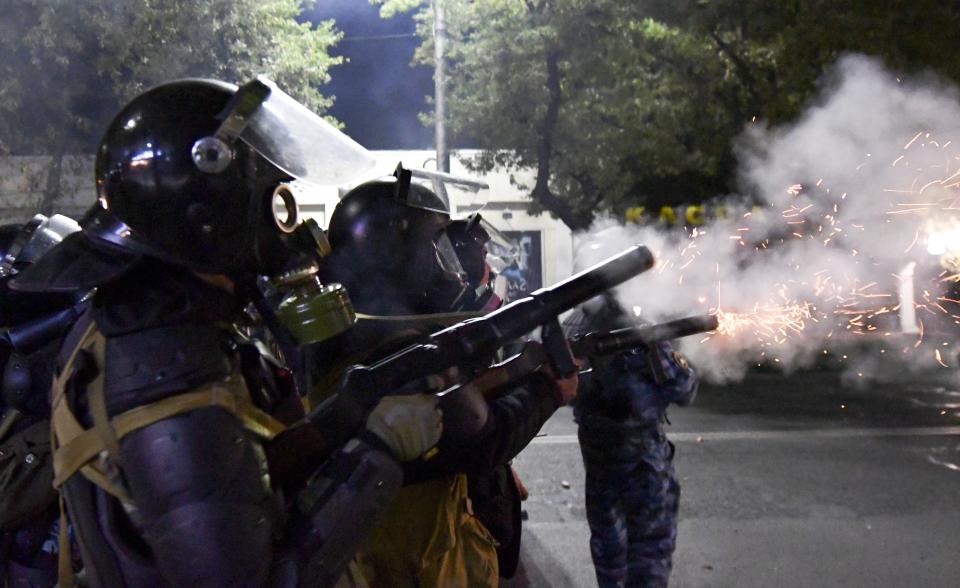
(408, 424)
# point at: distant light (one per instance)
(142, 159)
(637, 310)
(941, 242)
(936, 245)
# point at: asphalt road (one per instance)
(786, 481)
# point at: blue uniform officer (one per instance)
(632, 492)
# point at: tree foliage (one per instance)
(68, 65)
(618, 104)
(778, 51)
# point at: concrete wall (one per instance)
(23, 180)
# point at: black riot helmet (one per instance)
(469, 238)
(391, 250)
(20, 246)
(194, 172)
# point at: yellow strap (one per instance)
(80, 446)
(62, 418)
(98, 404)
(65, 577)
(106, 473)
(79, 450)
(65, 426)
(60, 380)
(63, 421)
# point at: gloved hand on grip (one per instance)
(408, 424)
(564, 389)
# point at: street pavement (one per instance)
(811, 479)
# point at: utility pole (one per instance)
(439, 79)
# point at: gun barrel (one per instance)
(474, 339)
(597, 279)
(624, 339)
(540, 306)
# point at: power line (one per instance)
(379, 37)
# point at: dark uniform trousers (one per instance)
(632, 497)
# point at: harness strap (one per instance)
(75, 448)
(65, 577)
(79, 450)
(98, 404)
(61, 418)
(65, 426)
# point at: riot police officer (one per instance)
(392, 250)
(158, 440)
(632, 494)
(32, 325)
(470, 237)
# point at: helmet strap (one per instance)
(242, 106)
(213, 154)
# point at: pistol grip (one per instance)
(558, 351)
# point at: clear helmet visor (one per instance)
(498, 239)
(448, 256)
(39, 235)
(302, 144)
(502, 251)
(421, 196)
(50, 232)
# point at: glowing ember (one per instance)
(939, 359)
(771, 323)
(819, 217)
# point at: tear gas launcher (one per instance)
(458, 352)
(590, 345)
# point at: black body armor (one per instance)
(197, 507)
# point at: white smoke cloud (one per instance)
(848, 196)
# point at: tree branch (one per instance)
(541, 190)
(591, 193)
(743, 69)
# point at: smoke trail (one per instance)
(861, 186)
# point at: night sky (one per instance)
(378, 95)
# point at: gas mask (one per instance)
(308, 309)
(477, 244)
(288, 143)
